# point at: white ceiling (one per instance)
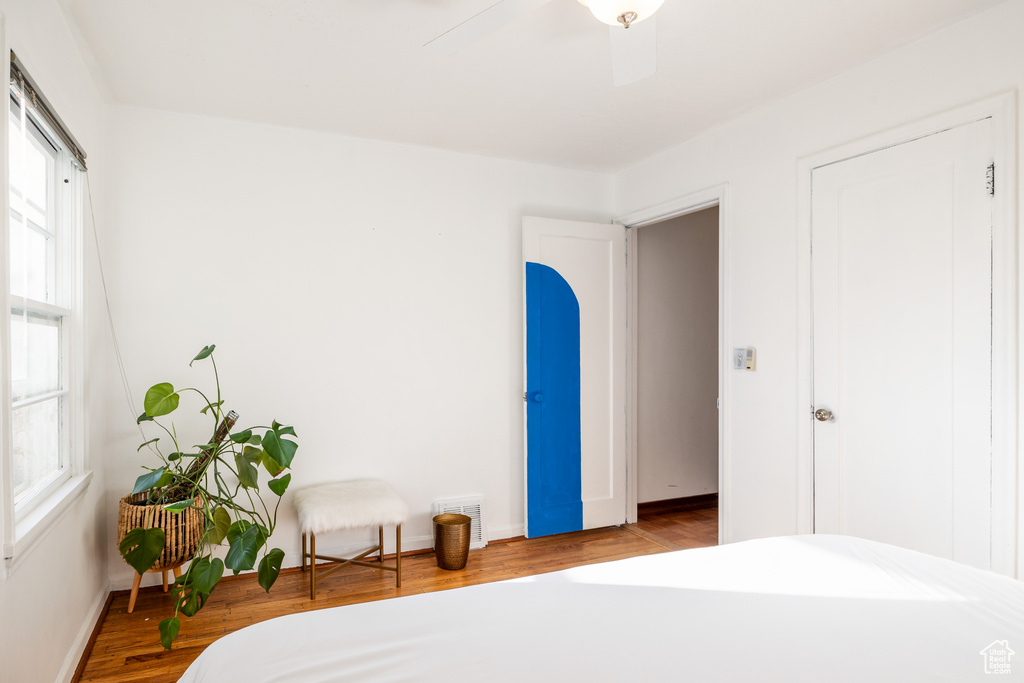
(539, 89)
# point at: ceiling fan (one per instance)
(632, 29)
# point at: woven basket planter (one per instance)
(184, 530)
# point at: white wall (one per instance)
(677, 357)
(368, 293)
(51, 598)
(756, 155)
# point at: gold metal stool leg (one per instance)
(398, 556)
(303, 553)
(380, 540)
(312, 566)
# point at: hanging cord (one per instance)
(110, 318)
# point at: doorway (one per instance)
(579, 303)
(675, 356)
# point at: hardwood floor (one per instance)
(686, 522)
(127, 647)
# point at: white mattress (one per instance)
(799, 608)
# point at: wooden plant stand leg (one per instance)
(177, 573)
(138, 581)
(135, 592)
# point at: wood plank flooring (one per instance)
(686, 522)
(127, 647)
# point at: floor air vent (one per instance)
(472, 508)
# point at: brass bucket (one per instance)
(451, 540)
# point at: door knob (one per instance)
(824, 415)
(537, 397)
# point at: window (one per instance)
(42, 290)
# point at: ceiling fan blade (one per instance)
(634, 51)
(499, 14)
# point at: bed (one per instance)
(798, 608)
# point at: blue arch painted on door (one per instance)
(554, 501)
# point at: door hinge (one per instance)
(990, 177)
(524, 396)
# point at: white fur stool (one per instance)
(350, 505)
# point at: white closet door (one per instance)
(902, 290)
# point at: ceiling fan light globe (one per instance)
(609, 11)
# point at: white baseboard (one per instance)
(74, 656)
(498, 533)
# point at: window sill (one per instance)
(33, 527)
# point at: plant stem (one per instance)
(199, 465)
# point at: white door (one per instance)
(575, 375)
(902, 301)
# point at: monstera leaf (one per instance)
(141, 547)
(161, 399)
(270, 567)
(280, 449)
(245, 540)
(155, 479)
(169, 631)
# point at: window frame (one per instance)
(58, 230)
(26, 521)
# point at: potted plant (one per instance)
(204, 495)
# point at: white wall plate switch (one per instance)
(744, 359)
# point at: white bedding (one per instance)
(799, 608)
